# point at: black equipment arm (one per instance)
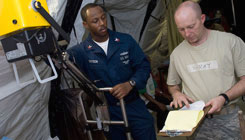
(77, 75)
(38, 7)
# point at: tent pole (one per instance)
(233, 12)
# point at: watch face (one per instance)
(132, 83)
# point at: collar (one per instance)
(113, 45)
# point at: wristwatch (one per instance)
(227, 100)
(132, 83)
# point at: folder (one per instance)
(184, 122)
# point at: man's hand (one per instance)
(216, 103)
(121, 90)
(180, 98)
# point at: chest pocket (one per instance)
(124, 68)
(96, 73)
(124, 58)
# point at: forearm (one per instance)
(237, 90)
(173, 89)
(218, 102)
(149, 98)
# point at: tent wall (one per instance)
(128, 15)
(24, 108)
(154, 39)
(79, 29)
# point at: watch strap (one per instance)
(227, 100)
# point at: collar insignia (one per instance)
(117, 40)
(89, 47)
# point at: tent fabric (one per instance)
(174, 37)
(71, 11)
(57, 11)
(154, 39)
(8, 84)
(128, 15)
(162, 36)
(79, 29)
(24, 107)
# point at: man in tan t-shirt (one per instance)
(207, 64)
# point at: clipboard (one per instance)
(206, 109)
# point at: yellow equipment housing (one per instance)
(18, 15)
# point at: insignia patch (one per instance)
(124, 57)
(124, 53)
(125, 62)
(117, 40)
(89, 47)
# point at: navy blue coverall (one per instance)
(124, 61)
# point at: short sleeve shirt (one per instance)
(209, 69)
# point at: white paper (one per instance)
(198, 105)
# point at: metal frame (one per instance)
(87, 122)
(80, 78)
(84, 83)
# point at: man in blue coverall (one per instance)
(113, 59)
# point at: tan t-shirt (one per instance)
(209, 69)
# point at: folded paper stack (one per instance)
(185, 119)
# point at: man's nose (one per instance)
(102, 22)
(187, 32)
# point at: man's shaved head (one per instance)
(189, 5)
(190, 22)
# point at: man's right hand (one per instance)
(179, 99)
(121, 90)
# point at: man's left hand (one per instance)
(121, 90)
(216, 103)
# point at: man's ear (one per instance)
(203, 18)
(85, 24)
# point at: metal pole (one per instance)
(84, 115)
(125, 119)
(106, 122)
(233, 11)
